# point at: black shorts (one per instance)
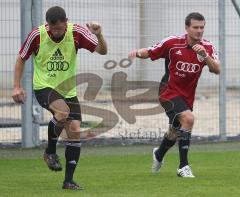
(47, 95)
(173, 108)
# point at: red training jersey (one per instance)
(183, 67)
(82, 39)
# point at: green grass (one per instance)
(124, 171)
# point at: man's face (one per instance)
(195, 30)
(58, 29)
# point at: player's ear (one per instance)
(66, 20)
(186, 28)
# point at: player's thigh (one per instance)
(174, 108)
(53, 102)
(75, 109)
(60, 109)
(74, 120)
(72, 129)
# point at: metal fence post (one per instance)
(222, 78)
(27, 118)
(37, 111)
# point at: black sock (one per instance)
(164, 147)
(72, 155)
(183, 145)
(54, 130)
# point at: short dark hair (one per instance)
(55, 14)
(195, 16)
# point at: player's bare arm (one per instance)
(18, 93)
(140, 53)
(213, 65)
(96, 29)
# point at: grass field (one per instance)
(125, 171)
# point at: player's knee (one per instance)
(75, 127)
(187, 119)
(62, 115)
(73, 135)
(74, 130)
(190, 120)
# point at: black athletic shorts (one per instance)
(47, 95)
(173, 108)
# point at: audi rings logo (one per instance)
(188, 67)
(57, 66)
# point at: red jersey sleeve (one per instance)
(213, 53)
(211, 50)
(84, 38)
(31, 44)
(159, 50)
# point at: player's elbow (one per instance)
(19, 58)
(217, 70)
(101, 51)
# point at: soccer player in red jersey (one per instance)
(54, 48)
(185, 56)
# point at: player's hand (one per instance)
(19, 95)
(94, 28)
(132, 54)
(200, 50)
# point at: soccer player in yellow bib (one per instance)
(54, 48)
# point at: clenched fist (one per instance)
(94, 28)
(19, 95)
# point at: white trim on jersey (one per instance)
(85, 33)
(214, 51)
(206, 42)
(167, 39)
(215, 54)
(30, 38)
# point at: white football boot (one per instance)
(156, 164)
(185, 172)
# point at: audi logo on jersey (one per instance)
(57, 66)
(187, 67)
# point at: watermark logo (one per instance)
(122, 103)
